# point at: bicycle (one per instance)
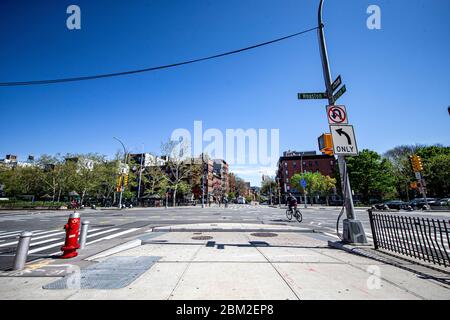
(296, 213)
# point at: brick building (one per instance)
(293, 162)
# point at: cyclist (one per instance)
(292, 201)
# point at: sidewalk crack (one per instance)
(184, 272)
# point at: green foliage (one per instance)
(316, 183)
(269, 185)
(436, 169)
(11, 204)
(371, 176)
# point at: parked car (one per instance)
(443, 202)
(335, 202)
(397, 204)
(419, 203)
(241, 200)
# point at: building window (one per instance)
(285, 164)
(294, 164)
(310, 163)
(287, 180)
(317, 163)
(289, 188)
(287, 173)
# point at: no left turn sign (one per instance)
(337, 115)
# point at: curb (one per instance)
(169, 229)
(114, 250)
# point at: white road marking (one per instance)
(46, 247)
(101, 232)
(331, 235)
(114, 235)
(44, 241)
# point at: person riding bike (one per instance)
(292, 201)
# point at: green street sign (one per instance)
(336, 83)
(317, 95)
(340, 93)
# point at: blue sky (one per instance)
(397, 78)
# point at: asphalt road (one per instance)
(105, 225)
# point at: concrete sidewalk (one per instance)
(216, 262)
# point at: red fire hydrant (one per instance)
(72, 231)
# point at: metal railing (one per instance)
(418, 237)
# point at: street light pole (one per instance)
(203, 182)
(353, 229)
(125, 157)
(301, 169)
(140, 174)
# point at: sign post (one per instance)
(303, 184)
(353, 229)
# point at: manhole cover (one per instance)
(202, 238)
(264, 234)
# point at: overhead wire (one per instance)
(129, 72)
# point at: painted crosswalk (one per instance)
(44, 242)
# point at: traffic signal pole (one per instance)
(353, 229)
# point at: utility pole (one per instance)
(203, 182)
(125, 156)
(140, 174)
(353, 229)
(301, 169)
(279, 191)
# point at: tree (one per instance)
(269, 188)
(178, 165)
(316, 184)
(434, 173)
(154, 179)
(241, 186)
(327, 184)
(437, 175)
(371, 176)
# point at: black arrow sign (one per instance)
(342, 132)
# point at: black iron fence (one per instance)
(418, 237)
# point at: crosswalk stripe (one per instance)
(42, 237)
(331, 235)
(114, 235)
(13, 233)
(101, 232)
(44, 241)
(46, 247)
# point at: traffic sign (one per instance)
(303, 183)
(418, 175)
(336, 83)
(337, 115)
(344, 142)
(316, 95)
(340, 93)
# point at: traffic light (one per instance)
(416, 163)
(119, 184)
(326, 144)
(125, 180)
